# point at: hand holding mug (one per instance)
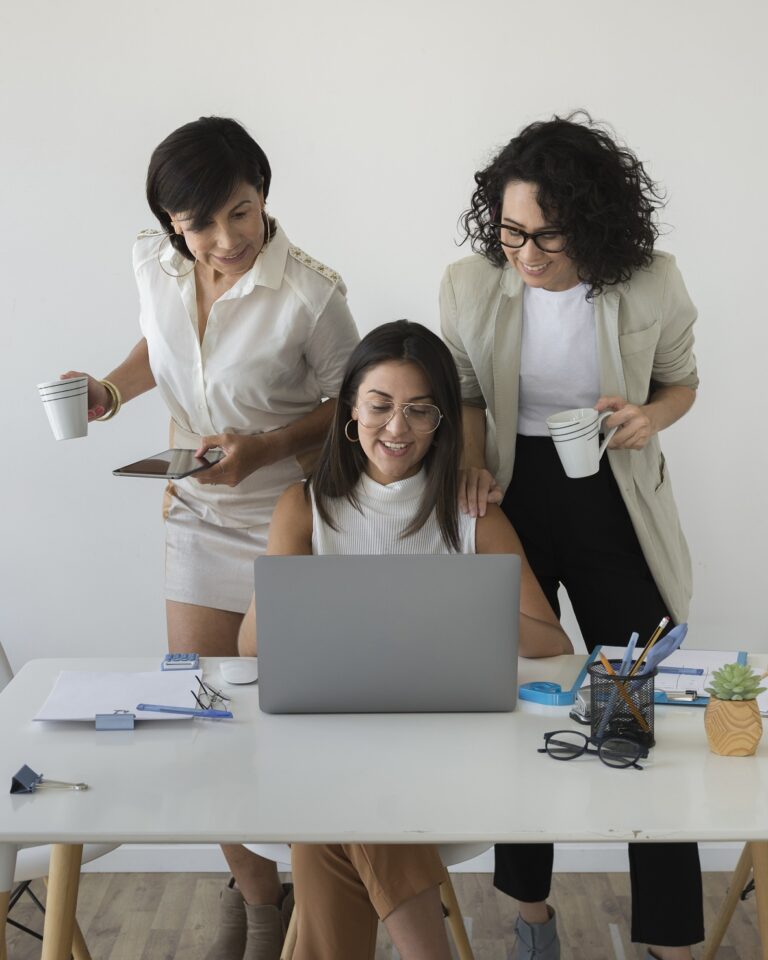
(575, 435)
(99, 398)
(632, 424)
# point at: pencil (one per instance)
(647, 648)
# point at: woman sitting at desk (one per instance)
(386, 482)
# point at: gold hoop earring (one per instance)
(176, 276)
(346, 432)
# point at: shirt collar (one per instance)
(267, 271)
(269, 268)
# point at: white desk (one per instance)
(388, 778)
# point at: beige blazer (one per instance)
(644, 339)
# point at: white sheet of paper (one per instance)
(78, 695)
(706, 660)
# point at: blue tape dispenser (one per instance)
(546, 692)
(551, 694)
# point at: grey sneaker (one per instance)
(230, 936)
(266, 926)
(537, 941)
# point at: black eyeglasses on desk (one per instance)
(613, 751)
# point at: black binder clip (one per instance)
(27, 781)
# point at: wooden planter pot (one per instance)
(734, 727)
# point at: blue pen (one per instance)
(187, 711)
(628, 654)
(686, 671)
(622, 672)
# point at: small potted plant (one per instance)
(732, 718)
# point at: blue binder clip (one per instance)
(119, 720)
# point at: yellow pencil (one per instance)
(647, 648)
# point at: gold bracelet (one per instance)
(117, 400)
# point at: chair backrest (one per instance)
(5, 668)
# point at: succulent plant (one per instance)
(735, 681)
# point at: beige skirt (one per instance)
(209, 565)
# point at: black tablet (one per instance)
(170, 464)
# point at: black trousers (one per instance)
(577, 533)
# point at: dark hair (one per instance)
(196, 168)
(341, 462)
(595, 189)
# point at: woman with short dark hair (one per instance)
(244, 335)
(567, 304)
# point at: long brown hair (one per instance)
(341, 463)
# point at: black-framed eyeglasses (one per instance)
(208, 697)
(550, 241)
(421, 417)
(613, 751)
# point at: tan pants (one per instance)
(342, 890)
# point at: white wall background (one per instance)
(375, 117)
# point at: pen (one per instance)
(187, 711)
(625, 663)
(686, 671)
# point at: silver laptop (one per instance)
(384, 634)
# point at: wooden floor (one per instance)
(171, 917)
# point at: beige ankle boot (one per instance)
(266, 926)
(231, 933)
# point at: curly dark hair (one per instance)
(594, 189)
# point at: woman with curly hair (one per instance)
(566, 304)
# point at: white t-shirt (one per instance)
(377, 527)
(558, 362)
(275, 344)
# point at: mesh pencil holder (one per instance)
(621, 706)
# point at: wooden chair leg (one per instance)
(290, 937)
(5, 896)
(738, 882)
(80, 949)
(7, 869)
(760, 875)
(455, 919)
(63, 882)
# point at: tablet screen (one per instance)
(170, 464)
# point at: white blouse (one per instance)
(275, 344)
(377, 527)
(558, 358)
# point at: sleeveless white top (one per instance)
(376, 528)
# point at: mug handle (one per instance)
(604, 444)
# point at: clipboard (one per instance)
(660, 696)
(550, 693)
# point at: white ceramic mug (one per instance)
(575, 434)
(66, 404)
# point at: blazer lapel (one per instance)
(612, 381)
(507, 346)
